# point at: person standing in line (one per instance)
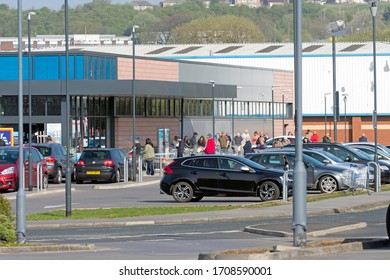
(194, 142)
(363, 138)
(210, 145)
(148, 154)
(237, 143)
(247, 146)
(244, 135)
(180, 148)
(314, 138)
(326, 138)
(201, 144)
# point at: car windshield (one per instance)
(362, 154)
(95, 155)
(9, 156)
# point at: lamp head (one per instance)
(212, 82)
(373, 4)
(29, 14)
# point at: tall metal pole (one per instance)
(284, 132)
(30, 186)
(325, 113)
(373, 8)
(300, 176)
(21, 195)
(134, 160)
(272, 113)
(345, 117)
(232, 118)
(68, 125)
(335, 108)
(212, 105)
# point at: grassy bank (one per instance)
(152, 211)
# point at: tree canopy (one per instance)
(193, 22)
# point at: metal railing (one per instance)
(285, 184)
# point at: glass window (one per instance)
(54, 105)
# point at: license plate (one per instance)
(93, 172)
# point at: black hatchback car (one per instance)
(105, 164)
(191, 178)
(56, 160)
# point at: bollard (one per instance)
(377, 175)
(126, 169)
(39, 177)
(140, 164)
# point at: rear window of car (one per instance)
(45, 151)
(95, 155)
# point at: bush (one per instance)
(7, 226)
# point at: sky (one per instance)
(56, 4)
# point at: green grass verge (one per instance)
(152, 211)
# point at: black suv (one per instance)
(191, 178)
(106, 164)
(56, 160)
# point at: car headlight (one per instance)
(9, 170)
(384, 167)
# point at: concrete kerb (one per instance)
(285, 252)
(35, 248)
(318, 233)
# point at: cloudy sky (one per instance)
(55, 4)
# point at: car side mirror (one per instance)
(326, 161)
(347, 159)
(245, 169)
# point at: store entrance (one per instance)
(38, 131)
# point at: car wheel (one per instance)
(268, 191)
(182, 192)
(197, 198)
(117, 177)
(45, 182)
(388, 221)
(327, 184)
(58, 178)
(78, 181)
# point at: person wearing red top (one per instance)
(314, 138)
(210, 145)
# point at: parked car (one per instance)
(9, 168)
(322, 177)
(380, 147)
(291, 140)
(371, 151)
(102, 164)
(56, 160)
(352, 155)
(193, 177)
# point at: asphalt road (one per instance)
(187, 241)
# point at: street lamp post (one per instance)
(272, 111)
(345, 116)
(29, 15)
(134, 162)
(337, 29)
(328, 93)
(373, 4)
(283, 111)
(212, 105)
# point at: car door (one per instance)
(232, 180)
(310, 169)
(204, 174)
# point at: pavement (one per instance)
(316, 232)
